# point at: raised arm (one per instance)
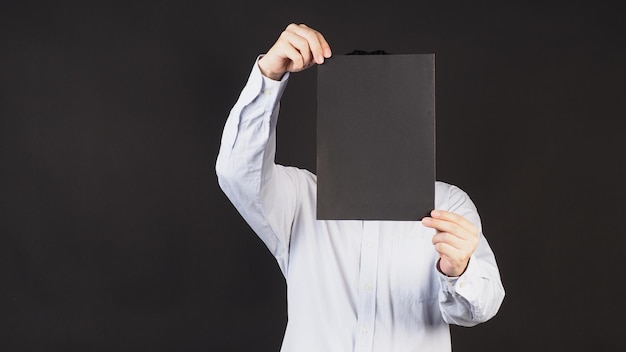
(265, 194)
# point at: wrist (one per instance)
(265, 71)
(457, 273)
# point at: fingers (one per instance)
(450, 217)
(452, 229)
(450, 239)
(297, 48)
(455, 240)
(450, 254)
(318, 46)
(446, 221)
(444, 226)
(454, 253)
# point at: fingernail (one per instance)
(327, 52)
(435, 213)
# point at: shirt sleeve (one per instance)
(264, 193)
(476, 295)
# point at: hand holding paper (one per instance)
(455, 240)
(297, 48)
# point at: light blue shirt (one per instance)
(351, 285)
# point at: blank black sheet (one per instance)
(376, 137)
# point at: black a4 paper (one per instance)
(376, 137)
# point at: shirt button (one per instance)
(462, 284)
(368, 287)
(365, 330)
(370, 244)
(267, 92)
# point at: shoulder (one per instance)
(442, 187)
(451, 197)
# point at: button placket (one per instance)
(366, 308)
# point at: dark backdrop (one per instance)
(114, 235)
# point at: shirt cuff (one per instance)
(461, 285)
(256, 67)
(267, 89)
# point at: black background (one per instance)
(114, 235)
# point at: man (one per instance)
(351, 285)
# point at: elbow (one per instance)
(497, 301)
(473, 311)
(224, 173)
(491, 306)
(232, 179)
